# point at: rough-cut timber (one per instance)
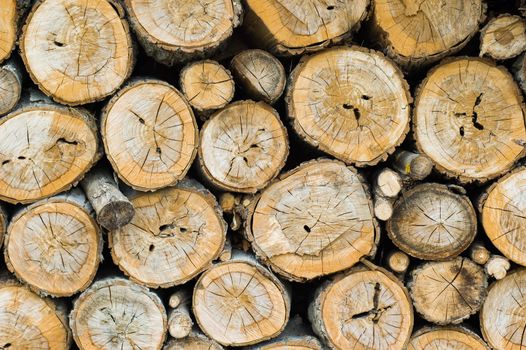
(176, 31)
(239, 302)
(8, 27)
(115, 313)
(367, 308)
(450, 338)
(447, 292)
(316, 220)
(502, 209)
(502, 320)
(243, 147)
(28, 321)
(175, 234)
(335, 106)
(10, 85)
(432, 222)
(260, 74)
(207, 86)
(150, 134)
(417, 32)
(469, 119)
(195, 341)
(413, 165)
(45, 149)
(503, 37)
(77, 51)
(294, 27)
(55, 245)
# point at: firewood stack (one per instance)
(263, 174)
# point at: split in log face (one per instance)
(150, 134)
(240, 303)
(503, 215)
(431, 222)
(363, 310)
(30, 322)
(335, 107)
(423, 31)
(174, 235)
(54, 246)
(469, 119)
(503, 37)
(118, 314)
(446, 292)
(243, 147)
(8, 28)
(446, 338)
(293, 27)
(173, 31)
(195, 341)
(45, 149)
(502, 320)
(315, 221)
(77, 51)
(10, 86)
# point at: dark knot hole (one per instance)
(306, 228)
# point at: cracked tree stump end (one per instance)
(150, 134)
(334, 107)
(504, 37)
(10, 85)
(450, 337)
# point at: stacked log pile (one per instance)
(263, 174)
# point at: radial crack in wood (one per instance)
(446, 338)
(10, 85)
(503, 37)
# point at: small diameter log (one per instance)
(77, 51)
(29, 321)
(10, 85)
(383, 207)
(502, 320)
(176, 31)
(413, 165)
(479, 254)
(416, 33)
(45, 150)
(115, 313)
(260, 74)
(387, 183)
(363, 309)
(316, 220)
(450, 337)
(398, 262)
(179, 320)
(195, 341)
(239, 302)
(458, 121)
(502, 209)
(447, 292)
(503, 37)
(243, 147)
(332, 109)
(497, 266)
(55, 245)
(175, 234)
(431, 222)
(207, 86)
(295, 27)
(150, 134)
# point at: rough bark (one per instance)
(333, 110)
(504, 37)
(10, 85)
(450, 337)
(458, 120)
(77, 52)
(150, 134)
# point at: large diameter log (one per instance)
(335, 106)
(77, 51)
(8, 28)
(363, 309)
(243, 147)
(150, 134)
(10, 85)
(239, 302)
(45, 149)
(195, 341)
(502, 215)
(28, 321)
(116, 314)
(175, 234)
(176, 31)
(316, 220)
(450, 337)
(459, 123)
(447, 292)
(431, 222)
(502, 320)
(415, 33)
(503, 37)
(294, 27)
(55, 245)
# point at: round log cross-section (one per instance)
(450, 338)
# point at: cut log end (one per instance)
(179, 324)
(497, 266)
(9, 28)
(383, 208)
(387, 183)
(446, 338)
(195, 341)
(398, 262)
(414, 165)
(10, 85)
(504, 37)
(479, 254)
